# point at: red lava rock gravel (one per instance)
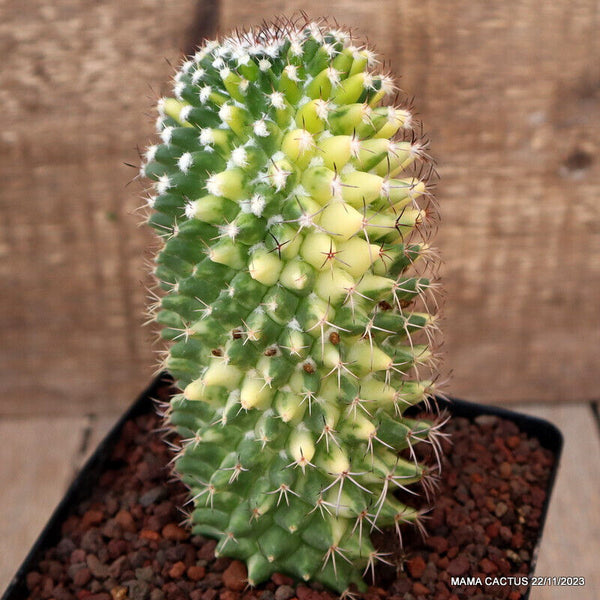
(126, 541)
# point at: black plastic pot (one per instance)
(547, 434)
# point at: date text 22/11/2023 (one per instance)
(519, 580)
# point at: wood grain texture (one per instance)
(509, 93)
(571, 542)
(78, 83)
(37, 462)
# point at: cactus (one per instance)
(293, 203)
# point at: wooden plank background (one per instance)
(509, 92)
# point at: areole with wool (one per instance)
(295, 210)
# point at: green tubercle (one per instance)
(293, 206)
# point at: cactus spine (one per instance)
(296, 275)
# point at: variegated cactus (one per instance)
(293, 202)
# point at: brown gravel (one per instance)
(235, 575)
(126, 542)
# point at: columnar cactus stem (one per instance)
(294, 207)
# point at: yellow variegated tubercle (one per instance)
(291, 194)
